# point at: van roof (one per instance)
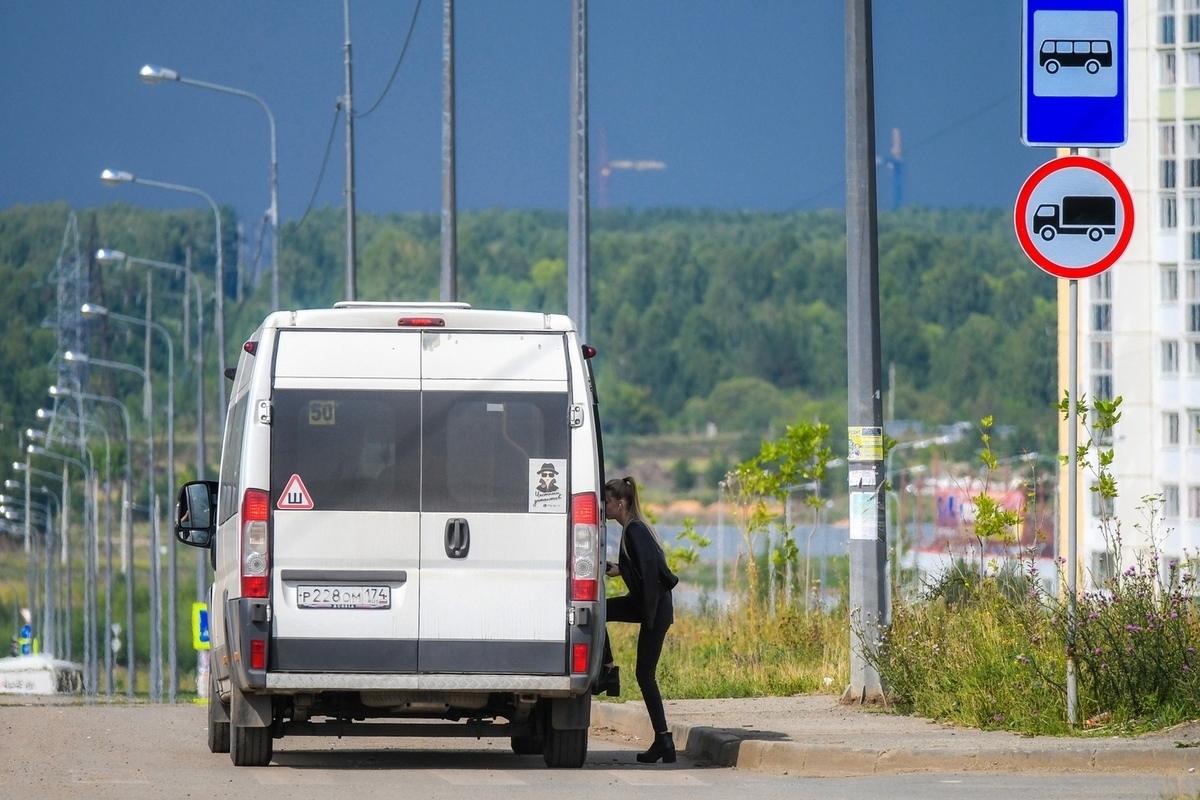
(457, 316)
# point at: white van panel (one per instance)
(512, 585)
(349, 384)
(508, 356)
(336, 540)
(348, 354)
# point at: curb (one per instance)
(725, 748)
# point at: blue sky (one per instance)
(742, 99)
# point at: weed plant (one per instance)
(987, 646)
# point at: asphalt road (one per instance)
(69, 751)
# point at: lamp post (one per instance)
(89, 478)
(113, 256)
(48, 587)
(127, 494)
(92, 557)
(155, 593)
(93, 310)
(115, 178)
(47, 536)
(155, 75)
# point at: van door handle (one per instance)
(458, 538)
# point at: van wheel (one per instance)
(218, 728)
(565, 748)
(250, 747)
(528, 745)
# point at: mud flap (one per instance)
(571, 713)
(249, 710)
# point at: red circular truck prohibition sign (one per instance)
(1074, 217)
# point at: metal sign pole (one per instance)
(1072, 494)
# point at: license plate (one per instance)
(359, 597)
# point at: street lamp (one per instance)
(94, 310)
(155, 75)
(155, 593)
(60, 391)
(89, 479)
(48, 587)
(107, 257)
(115, 178)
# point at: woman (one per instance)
(643, 565)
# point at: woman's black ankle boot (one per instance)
(663, 747)
(608, 681)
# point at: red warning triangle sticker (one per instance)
(295, 496)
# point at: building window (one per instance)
(1191, 21)
(1194, 502)
(1166, 21)
(1171, 433)
(1166, 68)
(1170, 357)
(1192, 288)
(1168, 212)
(1102, 317)
(1102, 506)
(1103, 568)
(1102, 356)
(1169, 283)
(1170, 505)
(1193, 428)
(1102, 387)
(1166, 154)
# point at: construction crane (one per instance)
(607, 167)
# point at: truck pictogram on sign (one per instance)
(1083, 214)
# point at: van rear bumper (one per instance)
(544, 685)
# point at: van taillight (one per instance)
(585, 536)
(258, 654)
(579, 657)
(256, 543)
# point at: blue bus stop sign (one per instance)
(1074, 73)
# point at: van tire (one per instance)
(565, 748)
(250, 747)
(218, 728)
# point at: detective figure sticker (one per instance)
(546, 494)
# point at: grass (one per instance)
(738, 653)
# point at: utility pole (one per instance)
(348, 107)
(868, 545)
(577, 212)
(449, 201)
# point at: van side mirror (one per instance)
(195, 517)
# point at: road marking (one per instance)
(474, 777)
(286, 776)
(126, 778)
(657, 778)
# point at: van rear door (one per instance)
(345, 500)
(495, 501)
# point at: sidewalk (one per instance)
(812, 735)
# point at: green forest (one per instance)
(701, 318)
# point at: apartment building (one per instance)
(1139, 322)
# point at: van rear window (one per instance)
(383, 451)
(351, 450)
(478, 447)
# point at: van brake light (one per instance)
(256, 543)
(421, 322)
(585, 539)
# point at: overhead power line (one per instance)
(337, 113)
(399, 61)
